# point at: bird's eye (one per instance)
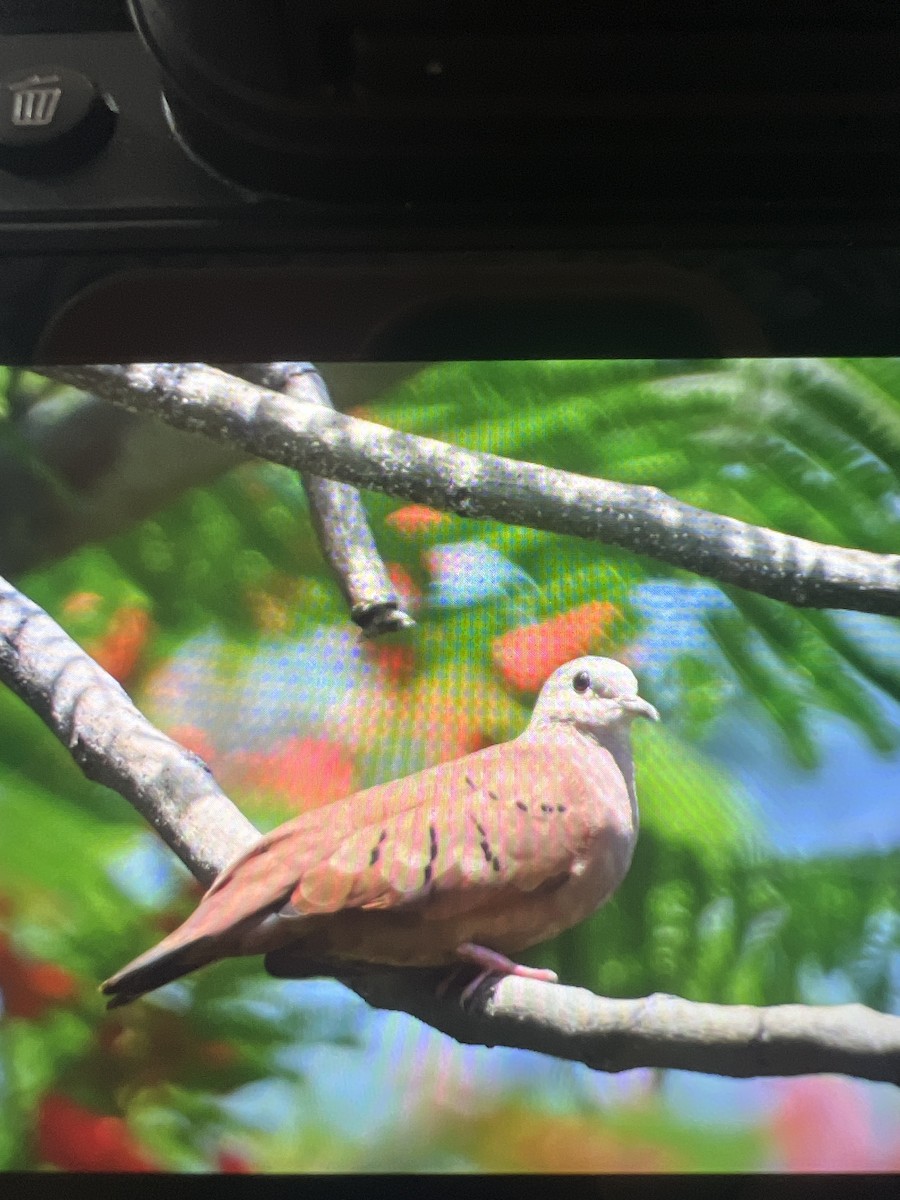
(581, 682)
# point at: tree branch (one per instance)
(657, 1031)
(77, 469)
(337, 512)
(795, 570)
(114, 744)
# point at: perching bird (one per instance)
(468, 861)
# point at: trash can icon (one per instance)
(34, 100)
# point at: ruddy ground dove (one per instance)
(468, 861)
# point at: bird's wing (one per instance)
(448, 839)
(490, 826)
(264, 877)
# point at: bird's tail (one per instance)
(171, 959)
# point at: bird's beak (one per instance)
(637, 707)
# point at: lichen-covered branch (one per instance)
(658, 1031)
(337, 512)
(643, 519)
(113, 743)
(174, 791)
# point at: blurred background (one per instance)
(768, 866)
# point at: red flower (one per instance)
(824, 1123)
(230, 1163)
(422, 712)
(195, 739)
(415, 519)
(119, 650)
(525, 656)
(397, 662)
(81, 604)
(29, 988)
(304, 771)
(75, 1139)
(408, 591)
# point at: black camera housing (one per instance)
(411, 181)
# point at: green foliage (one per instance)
(19, 390)
(755, 931)
(52, 859)
(806, 446)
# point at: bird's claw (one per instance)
(491, 963)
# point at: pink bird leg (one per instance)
(492, 963)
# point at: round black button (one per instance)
(51, 119)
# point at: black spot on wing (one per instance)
(376, 849)
(484, 843)
(522, 805)
(432, 853)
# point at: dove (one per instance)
(466, 862)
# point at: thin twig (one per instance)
(174, 791)
(798, 571)
(337, 512)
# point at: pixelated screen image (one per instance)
(727, 530)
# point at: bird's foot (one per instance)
(492, 963)
(441, 990)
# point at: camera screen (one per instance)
(713, 542)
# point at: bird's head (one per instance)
(593, 694)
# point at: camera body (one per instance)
(412, 181)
